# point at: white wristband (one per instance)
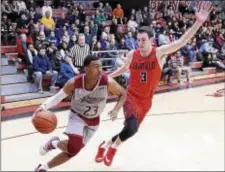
(54, 100)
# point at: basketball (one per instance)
(44, 122)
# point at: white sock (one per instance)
(44, 167)
(55, 143)
(114, 146)
(105, 145)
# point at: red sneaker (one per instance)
(108, 159)
(100, 155)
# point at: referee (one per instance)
(79, 51)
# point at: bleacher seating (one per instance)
(14, 85)
(8, 49)
(12, 56)
(196, 65)
(209, 70)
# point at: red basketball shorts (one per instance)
(137, 107)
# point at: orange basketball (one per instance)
(45, 122)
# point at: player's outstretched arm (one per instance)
(123, 68)
(57, 98)
(204, 9)
(115, 89)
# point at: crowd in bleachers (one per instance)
(54, 46)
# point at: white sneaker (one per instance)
(53, 89)
(48, 146)
(39, 169)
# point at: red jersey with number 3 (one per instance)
(145, 73)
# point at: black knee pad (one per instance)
(130, 128)
(114, 138)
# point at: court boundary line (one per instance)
(105, 120)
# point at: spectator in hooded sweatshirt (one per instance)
(43, 69)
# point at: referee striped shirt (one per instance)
(78, 53)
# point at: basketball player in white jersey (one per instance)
(90, 92)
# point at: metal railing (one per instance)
(111, 59)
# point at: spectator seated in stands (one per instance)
(73, 41)
(118, 13)
(130, 41)
(88, 36)
(119, 34)
(98, 47)
(48, 22)
(110, 64)
(65, 37)
(63, 50)
(223, 50)
(34, 31)
(66, 72)
(104, 41)
(163, 38)
(176, 63)
(75, 15)
(220, 38)
(15, 11)
(122, 45)
(124, 78)
(189, 51)
(6, 8)
(139, 17)
(7, 31)
(211, 60)
(21, 26)
(132, 24)
(93, 43)
(43, 69)
(167, 71)
(145, 13)
(31, 53)
(61, 21)
(71, 28)
(22, 49)
(52, 39)
(100, 17)
(42, 40)
(45, 8)
(108, 10)
(100, 7)
(207, 48)
(52, 53)
(93, 28)
(21, 6)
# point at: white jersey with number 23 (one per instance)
(89, 104)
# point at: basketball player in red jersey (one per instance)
(90, 93)
(145, 65)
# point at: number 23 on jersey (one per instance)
(91, 111)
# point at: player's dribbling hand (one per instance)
(113, 114)
(39, 109)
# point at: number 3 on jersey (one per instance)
(143, 76)
(95, 111)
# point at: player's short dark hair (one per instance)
(146, 29)
(89, 58)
